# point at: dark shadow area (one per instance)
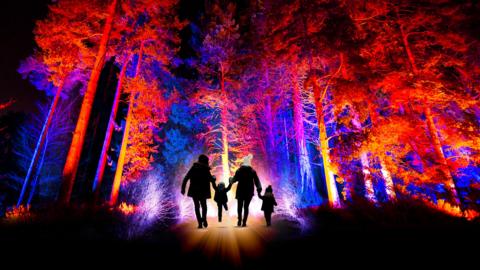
(397, 235)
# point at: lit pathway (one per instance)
(225, 241)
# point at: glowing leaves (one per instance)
(37, 72)
(219, 45)
(148, 29)
(148, 112)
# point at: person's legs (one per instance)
(225, 206)
(245, 214)
(239, 211)
(203, 203)
(196, 203)
(219, 205)
(268, 218)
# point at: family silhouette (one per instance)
(247, 180)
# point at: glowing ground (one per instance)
(228, 243)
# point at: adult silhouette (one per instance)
(199, 190)
(247, 179)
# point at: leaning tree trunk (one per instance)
(97, 182)
(40, 143)
(409, 52)
(37, 174)
(368, 179)
(75, 151)
(123, 149)
(441, 155)
(431, 125)
(387, 177)
(333, 197)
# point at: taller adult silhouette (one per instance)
(247, 179)
(199, 190)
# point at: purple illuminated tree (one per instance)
(60, 63)
(218, 56)
(145, 30)
(47, 175)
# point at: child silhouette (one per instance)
(268, 204)
(221, 197)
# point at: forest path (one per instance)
(225, 241)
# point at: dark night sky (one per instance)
(16, 24)
(17, 20)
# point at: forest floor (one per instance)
(226, 243)
(403, 236)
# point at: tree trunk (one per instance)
(389, 186)
(223, 119)
(369, 190)
(97, 182)
(37, 174)
(121, 157)
(367, 175)
(431, 125)
(410, 56)
(270, 137)
(306, 176)
(40, 143)
(287, 151)
(123, 150)
(406, 44)
(269, 119)
(441, 155)
(333, 197)
(75, 151)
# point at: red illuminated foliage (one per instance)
(405, 90)
(154, 43)
(93, 13)
(61, 62)
(385, 91)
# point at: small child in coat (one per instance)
(221, 197)
(268, 204)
